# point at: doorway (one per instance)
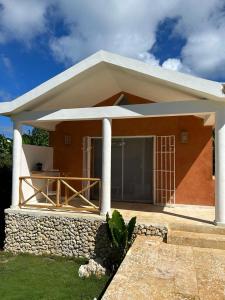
(132, 168)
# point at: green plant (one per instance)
(5, 151)
(36, 136)
(120, 235)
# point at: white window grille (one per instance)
(165, 170)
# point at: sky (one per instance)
(41, 38)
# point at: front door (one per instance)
(132, 168)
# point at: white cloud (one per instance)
(129, 28)
(203, 26)
(148, 58)
(175, 64)
(204, 53)
(22, 20)
(125, 27)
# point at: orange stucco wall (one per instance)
(194, 183)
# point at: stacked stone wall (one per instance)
(63, 236)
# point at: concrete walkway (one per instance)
(154, 270)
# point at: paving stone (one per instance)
(154, 270)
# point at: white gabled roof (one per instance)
(104, 74)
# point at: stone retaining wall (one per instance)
(64, 236)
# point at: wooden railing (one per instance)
(62, 195)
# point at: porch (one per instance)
(143, 171)
(146, 213)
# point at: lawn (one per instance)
(48, 278)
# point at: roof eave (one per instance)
(207, 89)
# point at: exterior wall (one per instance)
(194, 182)
(31, 155)
(47, 233)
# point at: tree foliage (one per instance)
(37, 136)
(5, 179)
(5, 151)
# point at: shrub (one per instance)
(120, 235)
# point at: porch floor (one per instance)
(166, 215)
(146, 213)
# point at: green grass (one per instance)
(30, 277)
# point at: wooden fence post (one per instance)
(20, 192)
(58, 192)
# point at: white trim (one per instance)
(209, 120)
(220, 167)
(201, 87)
(186, 82)
(106, 166)
(86, 164)
(32, 97)
(118, 100)
(122, 171)
(200, 107)
(16, 169)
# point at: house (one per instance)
(142, 132)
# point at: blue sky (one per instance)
(39, 39)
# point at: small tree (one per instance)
(5, 179)
(38, 136)
(120, 235)
(5, 151)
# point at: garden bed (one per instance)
(44, 277)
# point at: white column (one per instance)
(106, 166)
(17, 152)
(220, 166)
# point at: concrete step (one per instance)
(207, 228)
(196, 239)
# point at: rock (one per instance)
(94, 267)
(63, 236)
